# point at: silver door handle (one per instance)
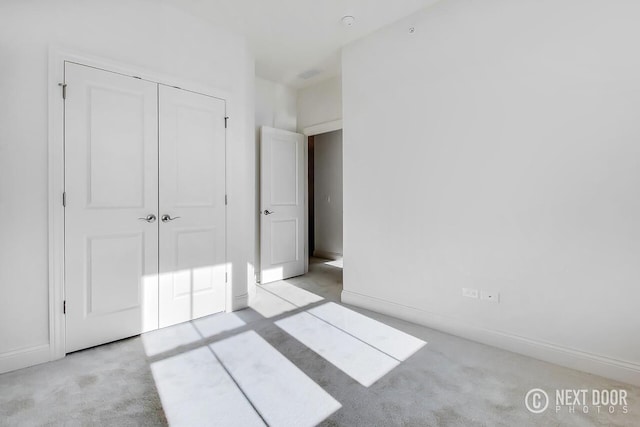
(167, 218)
(267, 212)
(150, 218)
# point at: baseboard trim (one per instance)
(619, 370)
(239, 302)
(327, 255)
(25, 357)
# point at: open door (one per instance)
(282, 204)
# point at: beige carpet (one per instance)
(247, 362)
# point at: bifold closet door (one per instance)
(111, 185)
(192, 205)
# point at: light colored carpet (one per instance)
(297, 357)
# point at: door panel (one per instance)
(115, 265)
(192, 182)
(122, 144)
(282, 184)
(111, 169)
(285, 172)
(195, 177)
(284, 247)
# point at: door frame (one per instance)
(310, 132)
(322, 128)
(56, 250)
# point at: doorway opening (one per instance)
(325, 198)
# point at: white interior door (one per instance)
(282, 190)
(111, 168)
(192, 205)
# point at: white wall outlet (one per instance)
(490, 296)
(470, 293)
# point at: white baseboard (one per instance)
(239, 302)
(25, 357)
(327, 254)
(626, 372)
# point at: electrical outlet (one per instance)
(470, 293)
(490, 296)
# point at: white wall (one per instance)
(320, 103)
(497, 148)
(144, 34)
(328, 193)
(275, 105)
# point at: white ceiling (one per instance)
(290, 37)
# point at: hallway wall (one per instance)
(328, 194)
(320, 103)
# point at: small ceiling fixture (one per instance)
(306, 75)
(348, 20)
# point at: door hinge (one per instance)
(226, 200)
(64, 199)
(64, 307)
(225, 122)
(64, 90)
(226, 277)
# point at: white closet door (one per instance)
(282, 222)
(111, 168)
(192, 205)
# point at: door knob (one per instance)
(267, 212)
(150, 218)
(167, 218)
